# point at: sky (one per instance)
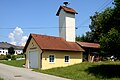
(19, 18)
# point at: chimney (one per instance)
(66, 22)
(66, 3)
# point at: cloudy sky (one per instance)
(16, 37)
(19, 18)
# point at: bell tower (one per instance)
(66, 22)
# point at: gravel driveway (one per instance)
(15, 73)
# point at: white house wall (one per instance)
(67, 26)
(18, 52)
(3, 51)
(70, 27)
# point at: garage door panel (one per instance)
(33, 59)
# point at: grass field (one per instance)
(1, 79)
(87, 71)
(16, 63)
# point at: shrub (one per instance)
(3, 57)
(13, 57)
(8, 56)
(20, 56)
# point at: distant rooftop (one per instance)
(8, 45)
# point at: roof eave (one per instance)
(63, 50)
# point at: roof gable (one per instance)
(53, 43)
(66, 9)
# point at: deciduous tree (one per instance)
(105, 29)
(11, 50)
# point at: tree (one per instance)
(105, 29)
(11, 50)
(110, 43)
(85, 38)
(81, 38)
(100, 24)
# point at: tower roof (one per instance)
(66, 9)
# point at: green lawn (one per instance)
(87, 71)
(1, 79)
(16, 63)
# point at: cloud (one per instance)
(16, 37)
(18, 31)
(11, 36)
(23, 40)
(14, 43)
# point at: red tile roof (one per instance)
(90, 45)
(53, 43)
(66, 9)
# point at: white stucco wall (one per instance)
(67, 26)
(3, 51)
(18, 52)
(70, 24)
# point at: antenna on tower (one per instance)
(66, 3)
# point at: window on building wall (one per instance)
(0, 51)
(3, 51)
(51, 58)
(67, 59)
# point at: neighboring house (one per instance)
(19, 49)
(91, 50)
(46, 52)
(4, 48)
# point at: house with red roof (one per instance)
(45, 52)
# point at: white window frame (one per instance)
(68, 59)
(49, 58)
